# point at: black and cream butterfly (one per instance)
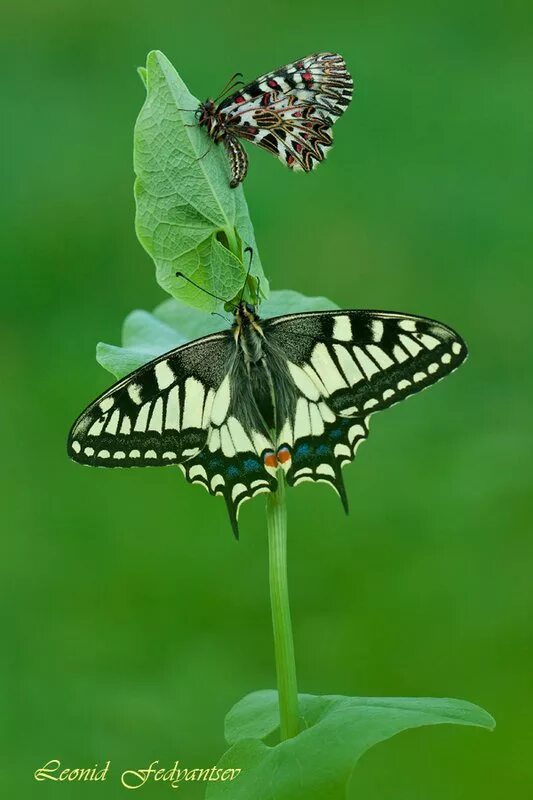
(291, 394)
(289, 112)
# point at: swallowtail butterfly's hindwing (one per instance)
(289, 112)
(182, 409)
(348, 365)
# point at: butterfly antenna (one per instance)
(216, 314)
(247, 250)
(229, 85)
(201, 288)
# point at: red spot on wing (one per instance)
(290, 158)
(240, 99)
(273, 83)
(284, 455)
(307, 77)
(270, 460)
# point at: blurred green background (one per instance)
(131, 618)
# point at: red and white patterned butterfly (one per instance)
(288, 112)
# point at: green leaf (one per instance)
(188, 218)
(145, 336)
(318, 763)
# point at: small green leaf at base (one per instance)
(188, 218)
(336, 732)
(173, 323)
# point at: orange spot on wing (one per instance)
(284, 455)
(271, 460)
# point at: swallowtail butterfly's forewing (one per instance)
(289, 112)
(292, 393)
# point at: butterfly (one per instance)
(291, 394)
(288, 112)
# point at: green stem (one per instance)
(281, 615)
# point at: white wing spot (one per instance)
(172, 416)
(197, 472)
(342, 450)
(356, 432)
(388, 393)
(325, 469)
(326, 412)
(214, 440)
(342, 328)
(237, 490)
(428, 341)
(216, 481)
(135, 453)
(419, 376)
(304, 383)
(208, 405)
(164, 375)
(367, 365)
(125, 426)
(404, 384)
(119, 455)
(97, 426)
(446, 358)
(76, 446)
(169, 455)
(410, 345)
(156, 420)
(150, 454)
(191, 452)
(325, 366)
(408, 325)
(370, 403)
(112, 425)
(221, 402)
(377, 330)
(317, 425)
(193, 405)
(106, 404)
(433, 368)
(103, 454)
(89, 451)
(456, 348)
(240, 439)
(134, 391)
(399, 354)
(349, 412)
(142, 418)
(302, 421)
(379, 355)
(227, 444)
(349, 367)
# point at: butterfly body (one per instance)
(292, 394)
(288, 112)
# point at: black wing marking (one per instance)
(236, 463)
(158, 415)
(188, 407)
(347, 365)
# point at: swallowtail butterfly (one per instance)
(291, 393)
(288, 112)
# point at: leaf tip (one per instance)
(143, 74)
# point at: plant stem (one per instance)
(281, 615)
